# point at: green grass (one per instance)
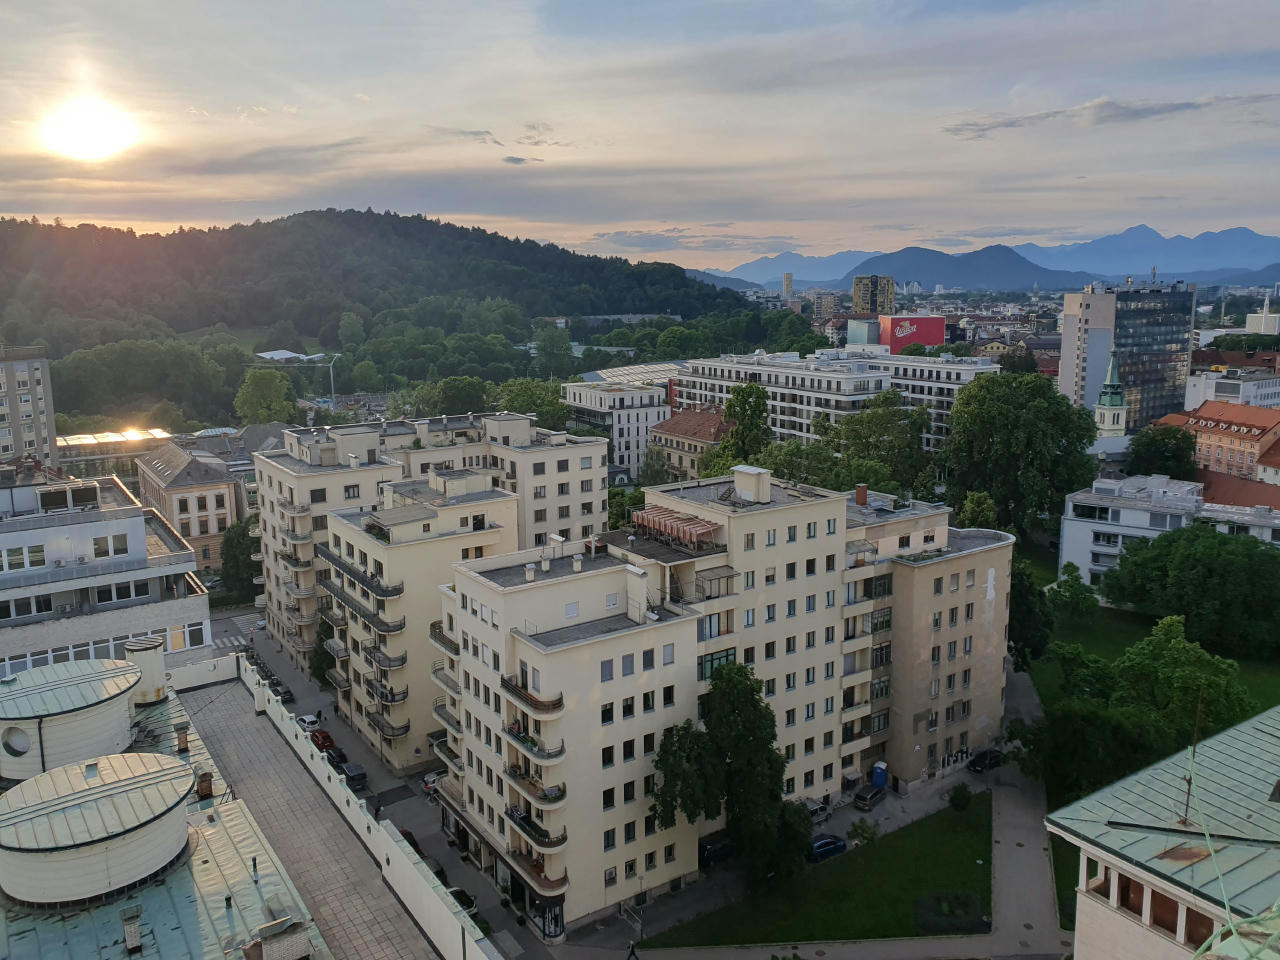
(866, 893)
(249, 338)
(1066, 873)
(1044, 562)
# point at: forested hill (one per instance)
(73, 287)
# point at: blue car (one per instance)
(825, 845)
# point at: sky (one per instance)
(706, 132)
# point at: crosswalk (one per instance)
(247, 622)
(225, 642)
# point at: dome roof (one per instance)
(64, 687)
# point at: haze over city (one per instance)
(705, 134)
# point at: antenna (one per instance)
(1195, 739)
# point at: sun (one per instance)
(88, 128)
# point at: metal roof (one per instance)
(1140, 819)
(83, 803)
(65, 687)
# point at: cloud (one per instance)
(683, 238)
(251, 112)
(1095, 113)
(362, 97)
(538, 134)
(460, 133)
(904, 227)
(520, 160)
(288, 158)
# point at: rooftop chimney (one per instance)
(181, 729)
(577, 563)
(546, 564)
(860, 495)
(131, 920)
(528, 572)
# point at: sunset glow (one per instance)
(90, 129)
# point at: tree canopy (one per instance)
(1167, 450)
(1030, 616)
(265, 396)
(748, 408)
(538, 397)
(238, 570)
(890, 432)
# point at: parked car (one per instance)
(430, 780)
(868, 796)
(985, 760)
(284, 693)
(825, 845)
(436, 867)
(464, 900)
(322, 739)
(412, 841)
(357, 779)
(308, 722)
(335, 756)
(261, 625)
(213, 584)
(714, 848)
(819, 812)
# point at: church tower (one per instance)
(1111, 409)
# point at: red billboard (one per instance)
(896, 332)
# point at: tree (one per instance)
(555, 352)
(748, 408)
(1018, 360)
(914, 350)
(1223, 585)
(463, 395)
(1167, 450)
(886, 430)
(979, 510)
(731, 764)
(621, 503)
(653, 468)
(351, 332)
(1071, 598)
(1030, 616)
(538, 397)
(238, 570)
(265, 396)
(365, 377)
(1019, 440)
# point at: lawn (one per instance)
(867, 893)
(1066, 873)
(1043, 560)
(248, 338)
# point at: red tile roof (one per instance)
(1233, 414)
(1237, 491)
(706, 425)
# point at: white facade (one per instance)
(1099, 522)
(1256, 388)
(933, 382)
(626, 411)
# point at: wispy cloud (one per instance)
(683, 238)
(460, 133)
(539, 134)
(519, 160)
(1095, 113)
(290, 158)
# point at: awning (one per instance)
(859, 546)
(717, 573)
(672, 523)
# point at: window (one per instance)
(951, 650)
(953, 616)
(790, 645)
(770, 612)
(607, 801)
(629, 869)
(606, 757)
(791, 608)
(791, 722)
(791, 681)
(937, 586)
(669, 852)
(351, 491)
(628, 664)
(610, 841)
(951, 686)
(809, 711)
(791, 571)
(968, 645)
(935, 655)
(749, 580)
(628, 707)
(540, 493)
(748, 541)
(770, 576)
(968, 578)
(540, 515)
(606, 670)
(937, 620)
(668, 654)
(183, 505)
(771, 649)
(831, 526)
(964, 678)
(669, 696)
(968, 611)
(539, 468)
(708, 663)
(770, 687)
(748, 618)
(649, 741)
(811, 530)
(606, 713)
(628, 751)
(584, 463)
(791, 534)
(770, 538)
(571, 610)
(904, 543)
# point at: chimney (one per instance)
(131, 920)
(577, 563)
(546, 564)
(860, 495)
(528, 572)
(204, 783)
(181, 729)
(148, 656)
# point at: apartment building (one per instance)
(933, 382)
(1254, 388)
(687, 436)
(1230, 438)
(1148, 325)
(1149, 883)
(873, 294)
(561, 481)
(1098, 523)
(195, 493)
(381, 607)
(572, 661)
(626, 412)
(27, 425)
(85, 569)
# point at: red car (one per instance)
(322, 740)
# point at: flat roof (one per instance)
(718, 491)
(513, 575)
(88, 802)
(593, 629)
(1139, 819)
(65, 687)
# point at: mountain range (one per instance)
(768, 271)
(1136, 250)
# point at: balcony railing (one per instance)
(294, 536)
(293, 561)
(371, 583)
(389, 730)
(440, 670)
(380, 658)
(333, 616)
(291, 509)
(259, 580)
(255, 531)
(440, 707)
(256, 556)
(442, 639)
(445, 752)
(531, 745)
(260, 601)
(298, 617)
(302, 644)
(294, 589)
(337, 648)
(531, 700)
(384, 693)
(366, 614)
(535, 831)
(533, 788)
(337, 679)
(531, 868)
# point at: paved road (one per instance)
(358, 915)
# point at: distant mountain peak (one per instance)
(1138, 248)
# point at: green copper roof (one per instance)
(1235, 777)
(1112, 389)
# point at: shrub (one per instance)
(960, 798)
(862, 831)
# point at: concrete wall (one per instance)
(1106, 934)
(96, 731)
(203, 672)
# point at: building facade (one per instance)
(687, 436)
(873, 294)
(933, 382)
(1231, 438)
(1148, 326)
(27, 425)
(1254, 388)
(878, 634)
(86, 569)
(626, 412)
(195, 493)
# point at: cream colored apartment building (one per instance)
(573, 661)
(561, 482)
(194, 491)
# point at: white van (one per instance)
(819, 812)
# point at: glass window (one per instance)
(606, 670)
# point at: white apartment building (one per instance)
(85, 569)
(1255, 388)
(571, 662)
(933, 382)
(624, 411)
(1099, 522)
(561, 481)
(27, 425)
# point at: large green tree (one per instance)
(1018, 439)
(731, 764)
(463, 395)
(542, 398)
(1018, 360)
(238, 569)
(748, 408)
(889, 431)
(1224, 585)
(1167, 450)
(265, 396)
(978, 510)
(1030, 616)
(1071, 598)
(653, 468)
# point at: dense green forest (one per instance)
(135, 321)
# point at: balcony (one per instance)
(385, 694)
(388, 730)
(440, 707)
(366, 614)
(333, 616)
(337, 648)
(856, 711)
(380, 658)
(531, 869)
(536, 832)
(852, 678)
(293, 561)
(256, 556)
(440, 670)
(259, 580)
(532, 747)
(298, 618)
(255, 531)
(260, 601)
(293, 536)
(371, 583)
(442, 639)
(301, 643)
(544, 797)
(445, 753)
(714, 583)
(337, 679)
(546, 707)
(298, 591)
(291, 509)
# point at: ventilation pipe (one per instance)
(528, 572)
